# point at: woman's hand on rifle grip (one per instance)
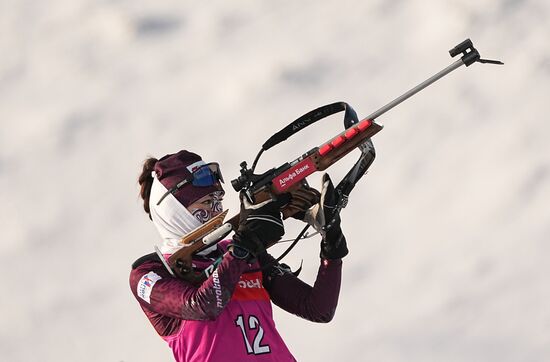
(325, 218)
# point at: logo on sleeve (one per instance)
(145, 285)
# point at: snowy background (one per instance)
(448, 233)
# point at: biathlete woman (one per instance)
(229, 316)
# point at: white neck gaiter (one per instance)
(171, 218)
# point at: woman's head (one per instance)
(195, 184)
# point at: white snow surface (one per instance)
(448, 233)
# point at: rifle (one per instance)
(292, 175)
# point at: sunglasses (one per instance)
(204, 176)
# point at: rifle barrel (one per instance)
(415, 90)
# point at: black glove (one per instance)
(324, 218)
(259, 226)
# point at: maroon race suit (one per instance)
(208, 322)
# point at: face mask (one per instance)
(211, 208)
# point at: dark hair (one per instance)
(146, 181)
